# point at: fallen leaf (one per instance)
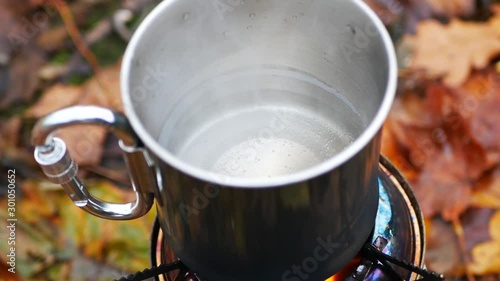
(422, 110)
(21, 77)
(9, 133)
(59, 241)
(13, 24)
(486, 256)
(495, 8)
(443, 251)
(443, 186)
(445, 183)
(474, 223)
(487, 192)
(104, 88)
(452, 8)
(394, 152)
(486, 126)
(417, 143)
(466, 148)
(20, 57)
(478, 103)
(415, 122)
(56, 97)
(430, 132)
(452, 51)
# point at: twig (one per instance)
(459, 231)
(70, 24)
(80, 43)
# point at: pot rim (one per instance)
(368, 135)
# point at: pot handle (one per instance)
(52, 155)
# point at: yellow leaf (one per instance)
(487, 193)
(495, 227)
(486, 256)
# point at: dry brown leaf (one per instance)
(423, 112)
(478, 103)
(443, 251)
(443, 186)
(415, 123)
(394, 152)
(486, 256)
(452, 8)
(486, 125)
(54, 98)
(21, 77)
(452, 51)
(475, 221)
(467, 149)
(15, 25)
(20, 58)
(9, 132)
(105, 88)
(84, 142)
(417, 143)
(430, 134)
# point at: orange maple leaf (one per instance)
(452, 51)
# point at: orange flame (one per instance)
(346, 271)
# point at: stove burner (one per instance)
(398, 237)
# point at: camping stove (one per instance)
(395, 250)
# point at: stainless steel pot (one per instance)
(254, 122)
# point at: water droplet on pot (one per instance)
(186, 16)
(249, 27)
(252, 15)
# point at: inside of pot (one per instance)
(257, 89)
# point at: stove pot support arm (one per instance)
(52, 155)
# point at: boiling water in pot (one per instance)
(299, 140)
(262, 123)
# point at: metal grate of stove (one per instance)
(394, 251)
